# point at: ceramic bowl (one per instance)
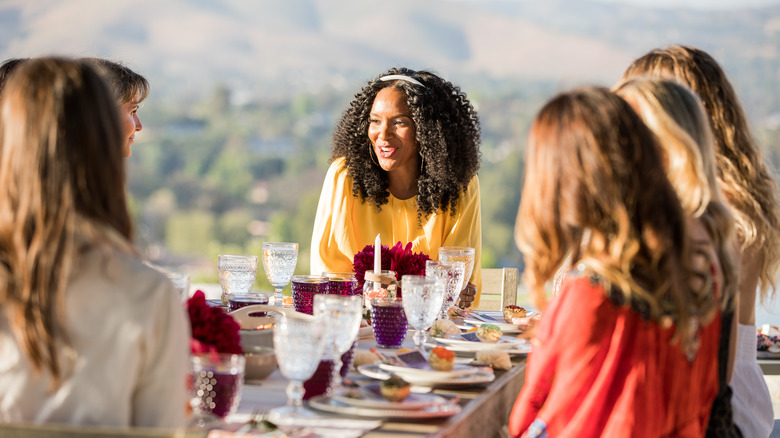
(260, 362)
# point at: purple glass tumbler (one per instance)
(389, 322)
(304, 288)
(342, 283)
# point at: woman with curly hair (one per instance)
(677, 118)
(88, 333)
(405, 160)
(751, 192)
(629, 346)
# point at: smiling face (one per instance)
(392, 133)
(130, 123)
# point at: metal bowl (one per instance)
(260, 362)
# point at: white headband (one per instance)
(409, 79)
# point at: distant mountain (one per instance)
(290, 46)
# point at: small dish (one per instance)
(260, 362)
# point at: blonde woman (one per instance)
(675, 115)
(88, 333)
(627, 347)
(751, 192)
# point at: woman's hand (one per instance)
(467, 296)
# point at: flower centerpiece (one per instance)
(213, 331)
(399, 259)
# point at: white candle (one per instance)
(377, 255)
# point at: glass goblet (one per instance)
(299, 344)
(452, 273)
(342, 315)
(422, 301)
(237, 275)
(459, 254)
(279, 260)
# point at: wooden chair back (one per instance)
(499, 288)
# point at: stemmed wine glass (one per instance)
(459, 253)
(299, 343)
(452, 273)
(237, 274)
(279, 260)
(423, 297)
(342, 315)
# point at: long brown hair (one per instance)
(676, 116)
(592, 166)
(61, 191)
(744, 177)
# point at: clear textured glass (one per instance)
(452, 274)
(215, 387)
(342, 315)
(423, 297)
(237, 275)
(298, 343)
(459, 254)
(279, 260)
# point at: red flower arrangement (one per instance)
(399, 259)
(213, 331)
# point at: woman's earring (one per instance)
(371, 153)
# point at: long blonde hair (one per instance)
(592, 165)
(61, 191)
(743, 176)
(677, 118)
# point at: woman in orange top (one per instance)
(620, 351)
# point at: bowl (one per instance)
(260, 362)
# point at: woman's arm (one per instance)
(467, 231)
(330, 231)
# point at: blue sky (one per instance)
(697, 4)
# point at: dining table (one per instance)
(484, 408)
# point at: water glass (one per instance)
(452, 274)
(423, 297)
(236, 275)
(342, 315)
(342, 283)
(304, 288)
(389, 321)
(299, 344)
(459, 254)
(236, 302)
(279, 260)
(216, 385)
(181, 282)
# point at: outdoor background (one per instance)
(245, 94)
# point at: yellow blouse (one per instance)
(344, 225)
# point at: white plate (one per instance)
(505, 343)
(414, 375)
(370, 396)
(327, 404)
(365, 332)
(480, 376)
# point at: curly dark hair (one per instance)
(448, 138)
